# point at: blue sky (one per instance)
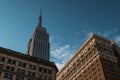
(69, 23)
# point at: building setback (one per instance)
(97, 59)
(39, 45)
(18, 66)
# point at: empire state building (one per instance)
(39, 45)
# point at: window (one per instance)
(0, 73)
(19, 78)
(34, 67)
(9, 61)
(40, 69)
(1, 66)
(95, 78)
(8, 68)
(22, 78)
(2, 59)
(10, 76)
(40, 76)
(19, 63)
(30, 66)
(45, 77)
(12, 68)
(18, 70)
(49, 72)
(93, 69)
(14, 62)
(5, 75)
(29, 73)
(92, 64)
(24, 64)
(29, 79)
(45, 70)
(33, 74)
(49, 78)
(23, 72)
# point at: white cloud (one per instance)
(59, 65)
(117, 39)
(61, 54)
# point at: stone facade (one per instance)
(94, 60)
(18, 66)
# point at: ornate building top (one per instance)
(92, 40)
(39, 45)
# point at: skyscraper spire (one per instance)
(39, 45)
(40, 18)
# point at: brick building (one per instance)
(97, 59)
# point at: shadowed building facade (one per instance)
(39, 45)
(18, 66)
(97, 59)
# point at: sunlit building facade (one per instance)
(97, 59)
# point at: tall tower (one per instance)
(39, 45)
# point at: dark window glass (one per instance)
(40, 76)
(30, 66)
(8, 68)
(29, 73)
(22, 78)
(0, 73)
(45, 78)
(24, 64)
(5, 75)
(33, 74)
(10, 76)
(23, 72)
(19, 63)
(49, 78)
(40, 69)
(14, 62)
(1, 66)
(9, 61)
(12, 68)
(34, 67)
(29, 79)
(2, 59)
(49, 72)
(18, 70)
(17, 77)
(45, 70)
